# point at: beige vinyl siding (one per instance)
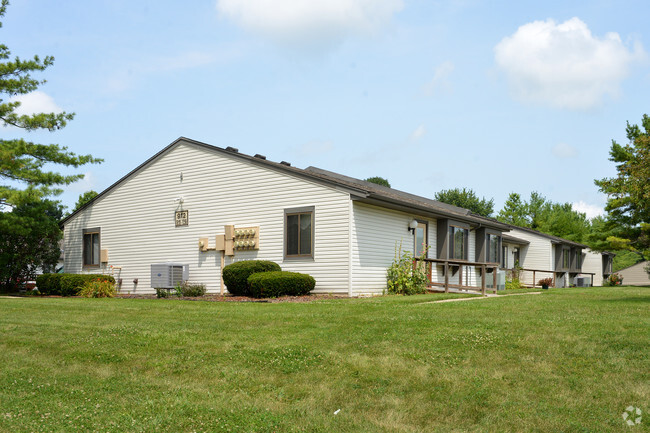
(593, 263)
(635, 275)
(137, 219)
(376, 234)
(538, 254)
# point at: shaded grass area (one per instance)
(566, 360)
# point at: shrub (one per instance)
(614, 280)
(98, 288)
(162, 293)
(71, 284)
(280, 283)
(192, 290)
(49, 284)
(513, 283)
(546, 282)
(403, 277)
(235, 275)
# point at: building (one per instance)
(636, 275)
(193, 207)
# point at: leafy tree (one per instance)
(379, 181)
(84, 198)
(514, 211)
(628, 202)
(29, 237)
(23, 176)
(538, 213)
(466, 198)
(625, 259)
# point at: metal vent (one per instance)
(257, 155)
(288, 164)
(232, 149)
(168, 275)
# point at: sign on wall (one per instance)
(182, 218)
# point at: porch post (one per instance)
(494, 273)
(483, 271)
(446, 277)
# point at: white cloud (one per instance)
(589, 209)
(419, 132)
(440, 80)
(563, 150)
(564, 65)
(309, 22)
(35, 102)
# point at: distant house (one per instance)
(636, 275)
(193, 206)
(540, 255)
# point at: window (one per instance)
(421, 239)
(91, 238)
(578, 259)
(299, 232)
(458, 243)
(565, 258)
(504, 258)
(492, 248)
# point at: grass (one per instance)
(566, 360)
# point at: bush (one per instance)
(67, 284)
(162, 293)
(49, 284)
(280, 283)
(190, 290)
(98, 288)
(513, 283)
(546, 282)
(614, 280)
(235, 275)
(403, 278)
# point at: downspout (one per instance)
(350, 221)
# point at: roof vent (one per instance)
(257, 155)
(232, 149)
(288, 164)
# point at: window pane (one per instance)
(305, 233)
(88, 249)
(459, 243)
(95, 249)
(292, 234)
(419, 241)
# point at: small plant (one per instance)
(161, 293)
(545, 282)
(614, 280)
(190, 289)
(98, 289)
(513, 283)
(406, 276)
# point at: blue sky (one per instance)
(496, 96)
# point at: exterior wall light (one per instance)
(413, 225)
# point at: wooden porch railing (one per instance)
(544, 271)
(450, 264)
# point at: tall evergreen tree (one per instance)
(628, 194)
(23, 176)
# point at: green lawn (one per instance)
(566, 360)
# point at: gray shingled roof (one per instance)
(359, 189)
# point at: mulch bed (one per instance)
(228, 298)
